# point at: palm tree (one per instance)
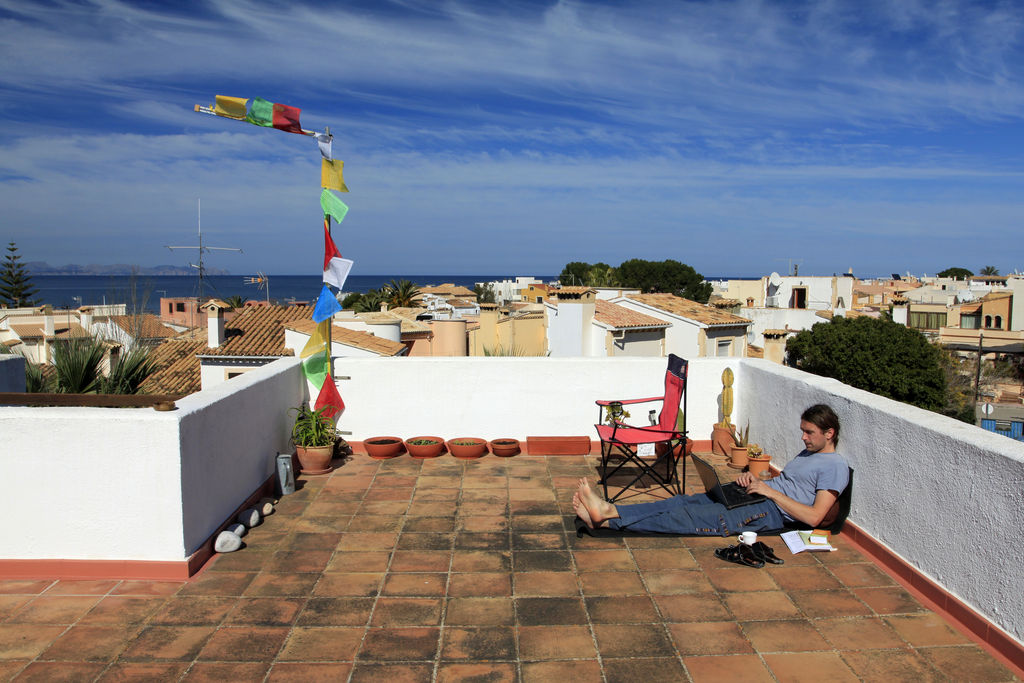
(990, 270)
(235, 301)
(129, 373)
(401, 294)
(370, 302)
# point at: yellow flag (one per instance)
(230, 107)
(317, 341)
(330, 175)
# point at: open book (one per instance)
(799, 541)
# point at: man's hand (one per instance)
(745, 478)
(755, 485)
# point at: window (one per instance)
(799, 297)
(180, 307)
(170, 307)
(970, 322)
(988, 321)
(927, 321)
(999, 322)
(723, 347)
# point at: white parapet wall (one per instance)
(492, 397)
(137, 484)
(942, 494)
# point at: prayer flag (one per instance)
(261, 112)
(231, 107)
(330, 175)
(332, 206)
(329, 398)
(326, 144)
(336, 268)
(326, 305)
(317, 340)
(315, 368)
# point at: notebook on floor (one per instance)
(731, 495)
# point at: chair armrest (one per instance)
(632, 400)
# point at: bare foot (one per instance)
(598, 509)
(581, 510)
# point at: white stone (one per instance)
(238, 530)
(266, 506)
(227, 542)
(250, 517)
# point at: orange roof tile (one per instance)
(258, 331)
(177, 368)
(616, 316)
(61, 330)
(354, 338)
(145, 326)
(692, 310)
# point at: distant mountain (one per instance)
(43, 268)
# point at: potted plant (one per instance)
(505, 448)
(424, 446)
(723, 434)
(383, 447)
(314, 435)
(758, 462)
(738, 450)
(467, 448)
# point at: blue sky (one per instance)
(514, 137)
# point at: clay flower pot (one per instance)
(467, 448)
(759, 466)
(314, 459)
(424, 446)
(722, 440)
(383, 447)
(737, 457)
(505, 448)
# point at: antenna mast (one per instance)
(202, 249)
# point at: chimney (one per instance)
(48, 321)
(215, 324)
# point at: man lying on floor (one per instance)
(806, 490)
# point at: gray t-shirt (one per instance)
(808, 473)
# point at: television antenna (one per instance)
(201, 271)
(262, 282)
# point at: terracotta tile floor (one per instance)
(444, 570)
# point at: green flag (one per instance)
(332, 206)
(261, 112)
(315, 368)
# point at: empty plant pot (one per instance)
(505, 448)
(383, 447)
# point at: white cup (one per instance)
(748, 537)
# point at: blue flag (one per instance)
(326, 306)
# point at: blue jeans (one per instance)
(696, 515)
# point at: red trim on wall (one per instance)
(1000, 644)
(170, 570)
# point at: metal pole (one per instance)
(977, 375)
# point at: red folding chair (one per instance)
(667, 438)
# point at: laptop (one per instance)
(731, 495)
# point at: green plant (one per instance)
(313, 428)
(742, 436)
(614, 412)
(77, 362)
(499, 350)
(16, 288)
(466, 442)
(129, 373)
(424, 442)
(754, 451)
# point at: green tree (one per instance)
(131, 370)
(370, 301)
(664, 276)
(990, 270)
(235, 301)
(574, 273)
(350, 300)
(601, 275)
(958, 273)
(876, 355)
(400, 294)
(484, 294)
(15, 283)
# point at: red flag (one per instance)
(330, 250)
(329, 397)
(287, 118)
